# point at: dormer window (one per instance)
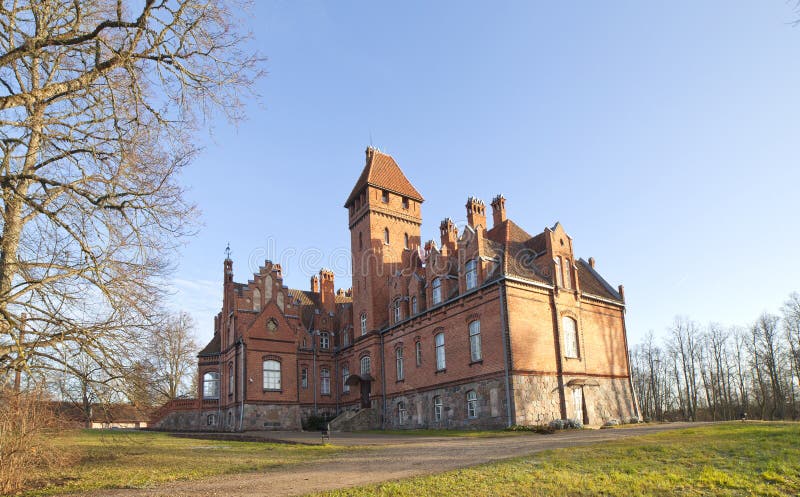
(397, 312)
(559, 275)
(437, 291)
(471, 274)
(385, 197)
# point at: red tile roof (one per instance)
(381, 171)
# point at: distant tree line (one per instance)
(721, 373)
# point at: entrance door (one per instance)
(365, 389)
(577, 397)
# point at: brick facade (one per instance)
(487, 327)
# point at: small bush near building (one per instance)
(566, 424)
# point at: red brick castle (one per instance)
(490, 327)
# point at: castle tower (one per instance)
(385, 215)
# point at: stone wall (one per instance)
(198, 420)
(490, 412)
(271, 417)
(537, 400)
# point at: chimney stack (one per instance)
(498, 210)
(449, 234)
(326, 294)
(476, 212)
(591, 262)
(314, 284)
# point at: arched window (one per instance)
(399, 363)
(414, 307)
(570, 336)
(437, 291)
(398, 314)
(231, 379)
(365, 366)
(559, 276)
(363, 323)
(405, 240)
(386, 236)
(440, 360)
(418, 352)
(402, 414)
(211, 385)
(567, 274)
(475, 341)
(324, 340)
(272, 375)
(472, 274)
(256, 299)
(437, 408)
(325, 381)
(360, 240)
(472, 404)
(345, 375)
(345, 338)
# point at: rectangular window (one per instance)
(402, 414)
(211, 385)
(405, 202)
(324, 341)
(365, 366)
(272, 375)
(437, 291)
(418, 350)
(345, 375)
(437, 408)
(345, 338)
(440, 361)
(475, 341)
(231, 380)
(397, 312)
(414, 308)
(385, 197)
(325, 381)
(364, 323)
(399, 361)
(472, 274)
(472, 404)
(304, 378)
(570, 337)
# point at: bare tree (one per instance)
(173, 354)
(98, 103)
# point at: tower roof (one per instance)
(381, 171)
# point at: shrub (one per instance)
(541, 429)
(317, 423)
(633, 420)
(565, 424)
(25, 444)
(611, 422)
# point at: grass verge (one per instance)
(732, 459)
(450, 433)
(121, 459)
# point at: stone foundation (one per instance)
(537, 400)
(490, 413)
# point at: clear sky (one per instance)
(663, 135)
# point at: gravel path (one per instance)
(395, 458)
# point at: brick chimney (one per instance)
(327, 292)
(498, 210)
(314, 284)
(449, 234)
(591, 262)
(476, 212)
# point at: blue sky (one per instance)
(663, 136)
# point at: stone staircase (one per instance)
(364, 419)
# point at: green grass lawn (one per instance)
(122, 459)
(725, 460)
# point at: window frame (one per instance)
(269, 376)
(472, 404)
(385, 196)
(437, 408)
(345, 375)
(304, 378)
(559, 274)
(572, 348)
(418, 352)
(324, 381)
(441, 356)
(471, 274)
(214, 381)
(231, 379)
(365, 360)
(324, 340)
(397, 311)
(363, 323)
(414, 306)
(399, 366)
(436, 293)
(386, 237)
(402, 413)
(475, 345)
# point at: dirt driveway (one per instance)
(394, 458)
